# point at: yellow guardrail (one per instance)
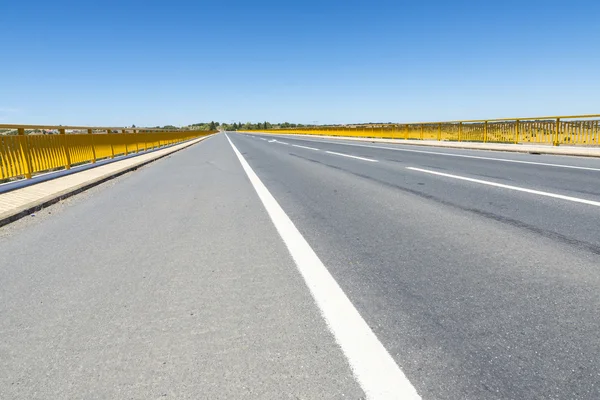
(29, 149)
(554, 130)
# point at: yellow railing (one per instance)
(555, 130)
(29, 149)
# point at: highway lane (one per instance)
(563, 220)
(174, 280)
(478, 292)
(168, 282)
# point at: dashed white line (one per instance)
(348, 155)
(305, 147)
(517, 188)
(374, 368)
(439, 153)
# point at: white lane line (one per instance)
(517, 188)
(348, 155)
(374, 368)
(439, 153)
(305, 147)
(279, 141)
(271, 141)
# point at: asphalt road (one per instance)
(478, 273)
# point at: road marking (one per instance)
(305, 147)
(374, 368)
(459, 155)
(279, 141)
(348, 155)
(517, 188)
(271, 141)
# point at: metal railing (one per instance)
(555, 130)
(26, 150)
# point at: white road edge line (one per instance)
(374, 368)
(517, 188)
(305, 147)
(348, 155)
(439, 153)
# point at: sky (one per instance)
(118, 63)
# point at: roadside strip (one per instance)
(21, 202)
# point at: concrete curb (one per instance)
(27, 209)
(515, 148)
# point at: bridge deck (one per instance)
(175, 281)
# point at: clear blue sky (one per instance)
(178, 62)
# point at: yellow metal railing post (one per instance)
(516, 131)
(125, 140)
(90, 132)
(460, 131)
(137, 142)
(421, 131)
(556, 132)
(63, 135)
(485, 132)
(25, 153)
(112, 148)
(439, 132)
(406, 133)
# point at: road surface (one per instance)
(296, 267)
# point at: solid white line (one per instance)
(348, 155)
(279, 141)
(439, 153)
(305, 147)
(375, 370)
(517, 188)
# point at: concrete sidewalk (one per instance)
(517, 148)
(21, 202)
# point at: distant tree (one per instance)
(212, 126)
